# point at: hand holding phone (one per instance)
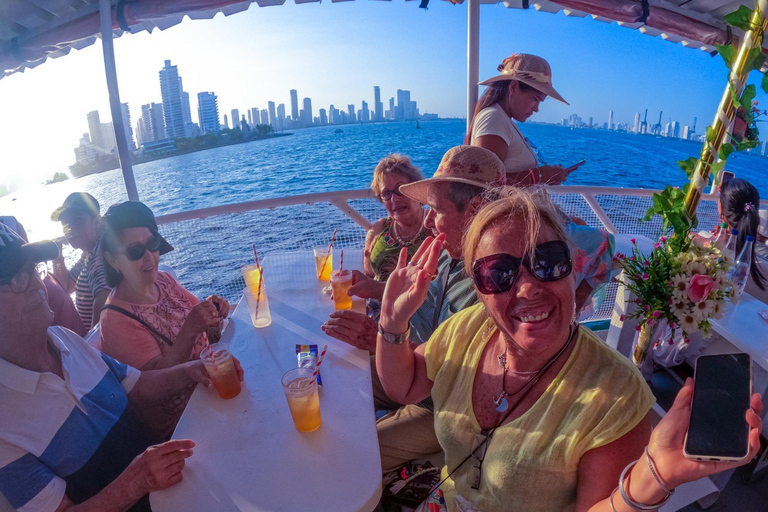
(575, 166)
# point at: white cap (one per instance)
(762, 229)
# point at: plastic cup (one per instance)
(301, 393)
(341, 281)
(252, 276)
(221, 369)
(323, 263)
(258, 308)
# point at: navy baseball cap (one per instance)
(15, 252)
(77, 201)
(133, 214)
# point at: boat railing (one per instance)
(212, 244)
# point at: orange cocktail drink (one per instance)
(341, 281)
(301, 393)
(221, 369)
(323, 263)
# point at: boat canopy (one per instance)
(32, 31)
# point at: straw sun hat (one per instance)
(529, 69)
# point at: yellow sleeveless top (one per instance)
(531, 463)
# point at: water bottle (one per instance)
(739, 274)
(730, 245)
(722, 236)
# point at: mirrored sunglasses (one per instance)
(135, 252)
(497, 273)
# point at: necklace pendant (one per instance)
(502, 405)
(502, 358)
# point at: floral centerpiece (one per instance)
(682, 285)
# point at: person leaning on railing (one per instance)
(402, 227)
(69, 438)
(513, 95)
(150, 321)
(532, 411)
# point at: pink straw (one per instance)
(319, 362)
(341, 263)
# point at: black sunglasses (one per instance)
(387, 194)
(135, 252)
(497, 273)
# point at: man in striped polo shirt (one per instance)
(81, 220)
(68, 433)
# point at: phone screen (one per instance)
(574, 166)
(721, 395)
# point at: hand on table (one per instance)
(408, 284)
(354, 328)
(666, 444)
(159, 467)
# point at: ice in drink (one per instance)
(341, 281)
(221, 369)
(252, 276)
(323, 263)
(255, 294)
(301, 393)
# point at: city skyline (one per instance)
(247, 68)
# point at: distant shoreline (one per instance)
(163, 156)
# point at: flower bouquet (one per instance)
(681, 283)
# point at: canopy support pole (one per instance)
(123, 153)
(473, 56)
(726, 111)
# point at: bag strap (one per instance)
(142, 322)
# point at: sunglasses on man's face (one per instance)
(135, 252)
(386, 194)
(497, 273)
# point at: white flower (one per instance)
(733, 295)
(704, 309)
(688, 322)
(718, 309)
(696, 268)
(680, 283)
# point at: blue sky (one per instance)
(336, 53)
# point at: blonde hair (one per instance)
(397, 164)
(507, 205)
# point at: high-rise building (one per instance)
(403, 109)
(264, 116)
(226, 122)
(378, 106)
(351, 113)
(636, 124)
(306, 120)
(170, 89)
(392, 109)
(675, 129)
(86, 152)
(108, 137)
(591, 121)
(365, 114)
(186, 113)
(272, 115)
(323, 117)
(235, 118)
(94, 129)
(610, 120)
(127, 126)
(294, 106)
(208, 112)
(254, 115)
(250, 118)
(281, 116)
(686, 133)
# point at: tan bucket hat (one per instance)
(472, 165)
(529, 69)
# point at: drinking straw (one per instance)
(319, 362)
(330, 246)
(341, 262)
(256, 257)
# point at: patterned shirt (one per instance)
(90, 279)
(60, 428)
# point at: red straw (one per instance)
(256, 256)
(261, 280)
(341, 262)
(319, 362)
(330, 246)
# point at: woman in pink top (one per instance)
(150, 320)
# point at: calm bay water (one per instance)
(319, 160)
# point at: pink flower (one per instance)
(646, 308)
(687, 340)
(670, 341)
(637, 327)
(647, 263)
(632, 258)
(651, 321)
(672, 325)
(634, 240)
(657, 245)
(700, 287)
(663, 239)
(622, 318)
(646, 277)
(656, 314)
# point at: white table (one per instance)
(248, 455)
(743, 327)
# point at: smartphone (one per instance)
(718, 430)
(574, 166)
(727, 176)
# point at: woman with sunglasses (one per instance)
(150, 321)
(533, 411)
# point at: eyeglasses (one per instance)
(20, 281)
(497, 273)
(386, 194)
(135, 252)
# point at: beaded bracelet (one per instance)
(633, 504)
(655, 475)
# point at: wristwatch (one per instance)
(395, 339)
